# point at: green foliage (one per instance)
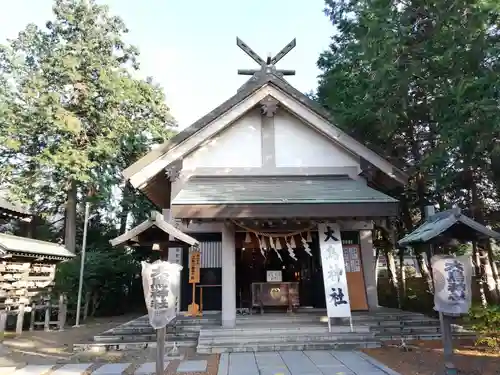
(74, 112)
(108, 277)
(71, 107)
(419, 82)
(486, 322)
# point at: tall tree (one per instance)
(73, 113)
(419, 80)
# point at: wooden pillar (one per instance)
(20, 319)
(62, 312)
(3, 322)
(46, 325)
(32, 316)
(88, 297)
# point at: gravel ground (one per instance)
(426, 358)
(39, 347)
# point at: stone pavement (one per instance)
(316, 362)
(101, 369)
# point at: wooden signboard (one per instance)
(194, 267)
(194, 278)
(355, 277)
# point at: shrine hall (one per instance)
(259, 185)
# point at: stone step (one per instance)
(406, 329)
(99, 347)
(145, 337)
(281, 346)
(178, 321)
(412, 322)
(263, 339)
(283, 330)
(150, 330)
(421, 336)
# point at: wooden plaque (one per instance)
(194, 267)
(355, 277)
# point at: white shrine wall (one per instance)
(258, 145)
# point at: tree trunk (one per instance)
(391, 268)
(488, 276)
(477, 209)
(125, 207)
(424, 270)
(402, 273)
(479, 274)
(70, 218)
(494, 268)
(95, 303)
(377, 256)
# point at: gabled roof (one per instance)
(256, 83)
(13, 209)
(277, 190)
(34, 248)
(451, 224)
(284, 197)
(156, 220)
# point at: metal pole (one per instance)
(82, 264)
(160, 350)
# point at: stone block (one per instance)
(72, 369)
(33, 370)
(148, 368)
(111, 369)
(7, 370)
(192, 366)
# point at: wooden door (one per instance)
(355, 277)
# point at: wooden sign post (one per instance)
(194, 278)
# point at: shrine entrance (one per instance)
(255, 268)
(265, 278)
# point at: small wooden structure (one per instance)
(27, 271)
(447, 228)
(274, 294)
(160, 235)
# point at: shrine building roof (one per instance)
(448, 224)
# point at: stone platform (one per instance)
(305, 330)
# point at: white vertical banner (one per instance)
(334, 273)
(161, 284)
(452, 283)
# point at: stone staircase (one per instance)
(308, 330)
(305, 330)
(287, 333)
(138, 334)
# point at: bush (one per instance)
(486, 322)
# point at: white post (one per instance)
(82, 264)
(228, 277)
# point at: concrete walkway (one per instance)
(320, 362)
(316, 362)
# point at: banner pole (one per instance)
(160, 350)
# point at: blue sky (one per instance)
(189, 47)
